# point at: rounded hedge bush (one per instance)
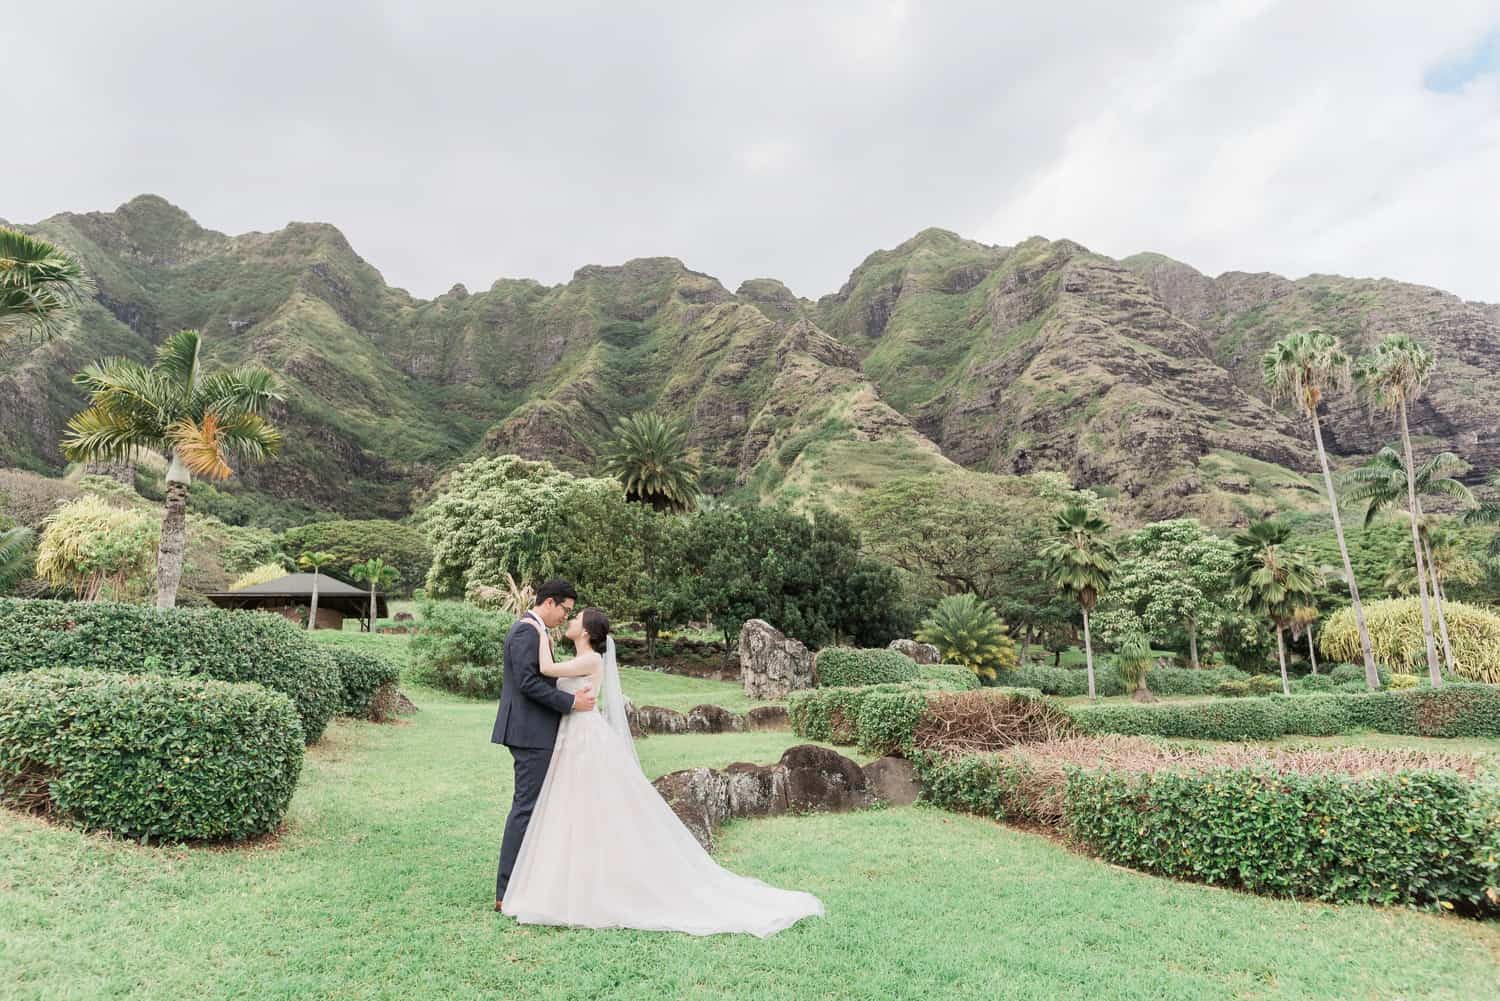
(954, 677)
(367, 684)
(839, 666)
(1395, 626)
(461, 648)
(149, 757)
(202, 642)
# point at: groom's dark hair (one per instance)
(558, 591)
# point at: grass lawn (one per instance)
(380, 887)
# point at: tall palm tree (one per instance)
(198, 421)
(1302, 624)
(1303, 368)
(649, 457)
(1391, 377)
(314, 560)
(15, 557)
(39, 284)
(1382, 482)
(379, 574)
(1447, 557)
(1273, 581)
(1081, 562)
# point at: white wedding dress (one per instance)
(603, 849)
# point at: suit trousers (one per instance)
(531, 769)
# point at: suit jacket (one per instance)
(531, 707)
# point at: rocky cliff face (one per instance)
(1139, 377)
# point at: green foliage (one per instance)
(263, 574)
(148, 757)
(1381, 481)
(1264, 684)
(461, 648)
(967, 631)
(649, 458)
(89, 545)
(17, 558)
(1395, 627)
(833, 714)
(40, 284)
(367, 682)
(953, 677)
(886, 720)
(1415, 838)
(209, 643)
(1068, 682)
(981, 784)
(1081, 562)
(351, 543)
(499, 516)
(839, 665)
(1350, 673)
(1455, 710)
(1232, 689)
(1134, 661)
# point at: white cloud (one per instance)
(461, 141)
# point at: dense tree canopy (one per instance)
(402, 546)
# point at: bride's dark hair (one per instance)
(596, 624)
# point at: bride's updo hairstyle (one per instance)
(596, 624)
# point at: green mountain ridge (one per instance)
(1137, 377)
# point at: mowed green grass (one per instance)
(380, 887)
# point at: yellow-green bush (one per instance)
(1396, 634)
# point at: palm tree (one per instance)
(39, 284)
(1302, 623)
(1303, 368)
(15, 557)
(1134, 662)
(1382, 482)
(378, 573)
(1273, 581)
(1392, 376)
(1488, 513)
(313, 560)
(1447, 557)
(199, 421)
(649, 458)
(1081, 562)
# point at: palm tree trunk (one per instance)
(173, 545)
(1025, 643)
(1286, 686)
(372, 608)
(1416, 542)
(1372, 677)
(1437, 601)
(1312, 652)
(312, 615)
(1193, 642)
(1088, 653)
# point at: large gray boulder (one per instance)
(771, 663)
(657, 719)
(922, 653)
(893, 781)
(713, 719)
(768, 718)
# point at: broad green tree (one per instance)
(1390, 377)
(198, 420)
(649, 457)
(1082, 562)
(380, 575)
(1273, 580)
(314, 561)
(1303, 368)
(40, 284)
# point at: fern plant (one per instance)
(967, 631)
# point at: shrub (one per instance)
(149, 757)
(1343, 674)
(967, 631)
(202, 642)
(1240, 719)
(1067, 681)
(89, 545)
(1315, 683)
(1408, 838)
(1395, 627)
(952, 677)
(1399, 681)
(845, 666)
(1232, 689)
(1264, 684)
(461, 648)
(368, 684)
(832, 714)
(885, 721)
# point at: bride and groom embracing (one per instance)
(589, 841)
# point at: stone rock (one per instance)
(771, 663)
(818, 778)
(699, 797)
(656, 719)
(893, 780)
(922, 653)
(713, 719)
(767, 718)
(404, 705)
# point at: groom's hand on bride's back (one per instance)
(583, 699)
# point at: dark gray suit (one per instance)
(531, 707)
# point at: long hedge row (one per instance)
(1070, 681)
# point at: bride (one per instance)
(603, 849)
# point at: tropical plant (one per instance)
(1301, 624)
(1396, 629)
(39, 284)
(967, 631)
(1134, 663)
(263, 574)
(400, 544)
(1447, 555)
(16, 557)
(314, 561)
(649, 458)
(1487, 512)
(513, 598)
(88, 544)
(1390, 377)
(1303, 368)
(1081, 562)
(1273, 581)
(379, 575)
(200, 420)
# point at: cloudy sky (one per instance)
(462, 140)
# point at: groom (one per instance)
(531, 707)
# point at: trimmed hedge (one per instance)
(833, 714)
(461, 648)
(1455, 710)
(367, 683)
(839, 666)
(1071, 681)
(199, 642)
(149, 757)
(950, 677)
(1423, 838)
